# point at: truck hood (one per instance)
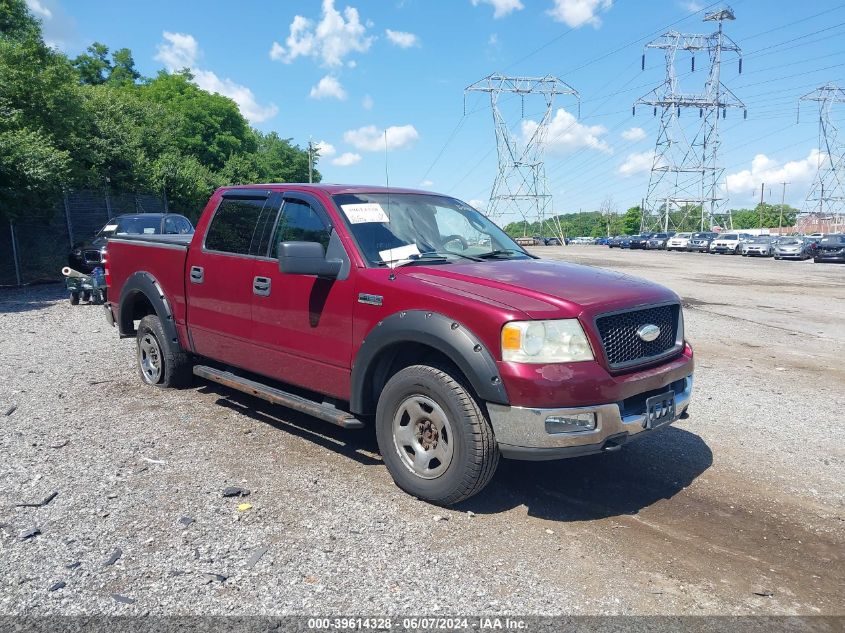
(543, 289)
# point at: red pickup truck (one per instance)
(409, 311)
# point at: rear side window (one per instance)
(233, 225)
(299, 222)
(177, 225)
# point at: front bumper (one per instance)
(521, 431)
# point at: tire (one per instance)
(429, 400)
(86, 296)
(74, 298)
(161, 363)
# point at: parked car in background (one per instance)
(87, 255)
(728, 243)
(625, 241)
(658, 241)
(367, 306)
(793, 248)
(831, 249)
(760, 246)
(640, 241)
(614, 242)
(552, 241)
(600, 241)
(678, 242)
(700, 242)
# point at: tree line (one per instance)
(608, 222)
(93, 121)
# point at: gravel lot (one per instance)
(738, 509)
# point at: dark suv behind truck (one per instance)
(409, 311)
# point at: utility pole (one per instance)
(685, 171)
(782, 200)
(310, 161)
(762, 185)
(521, 187)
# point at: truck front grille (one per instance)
(623, 346)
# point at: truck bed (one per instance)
(162, 257)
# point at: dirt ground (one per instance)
(739, 509)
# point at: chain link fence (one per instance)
(34, 248)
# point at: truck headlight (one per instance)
(558, 341)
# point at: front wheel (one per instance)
(161, 362)
(435, 440)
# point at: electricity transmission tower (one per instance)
(826, 198)
(685, 171)
(521, 186)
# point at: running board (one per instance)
(326, 412)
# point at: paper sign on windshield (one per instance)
(364, 212)
(399, 253)
(110, 227)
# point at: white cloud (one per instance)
(372, 139)
(565, 133)
(328, 88)
(692, 6)
(346, 159)
(39, 9)
(637, 163)
(327, 150)
(181, 50)
(367, 102)
(178, 51)
(402, 39)
(767, 170)
(334, 37)
(427, 183)
(634, 134)
(501, 8)
(478, 204)
(576, 13)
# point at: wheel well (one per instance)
(135, 308)
(397, 357)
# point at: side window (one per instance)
(233, 225)
(299, 223)
(176, 225)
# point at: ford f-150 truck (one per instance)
(408, 311)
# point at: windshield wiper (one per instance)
(446, 253)
(501, 252)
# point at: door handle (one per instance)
(261, 286)
(197, 274)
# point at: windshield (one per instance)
(682, 235)
(138, 225)
(407, 227)
(833, 239)
(728, 237)
(789, 241)
(761, 240)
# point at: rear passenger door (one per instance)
(220, 277)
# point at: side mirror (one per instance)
(307, 258)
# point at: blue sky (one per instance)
(344, 71)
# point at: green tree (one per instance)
(631, 220)
(123, 69)
(208, 126)
(40, 115)
(93, 67)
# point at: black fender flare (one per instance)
(143, 284)
(435, 330)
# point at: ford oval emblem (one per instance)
(648, 332)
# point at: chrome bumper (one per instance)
(521, 431)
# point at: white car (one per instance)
(729, 243)
(678, 242)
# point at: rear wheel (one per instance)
(74, 298)
(435, 439)
(161, 363)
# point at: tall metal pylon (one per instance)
(521, 187)
(685, 172)
(826, 197)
